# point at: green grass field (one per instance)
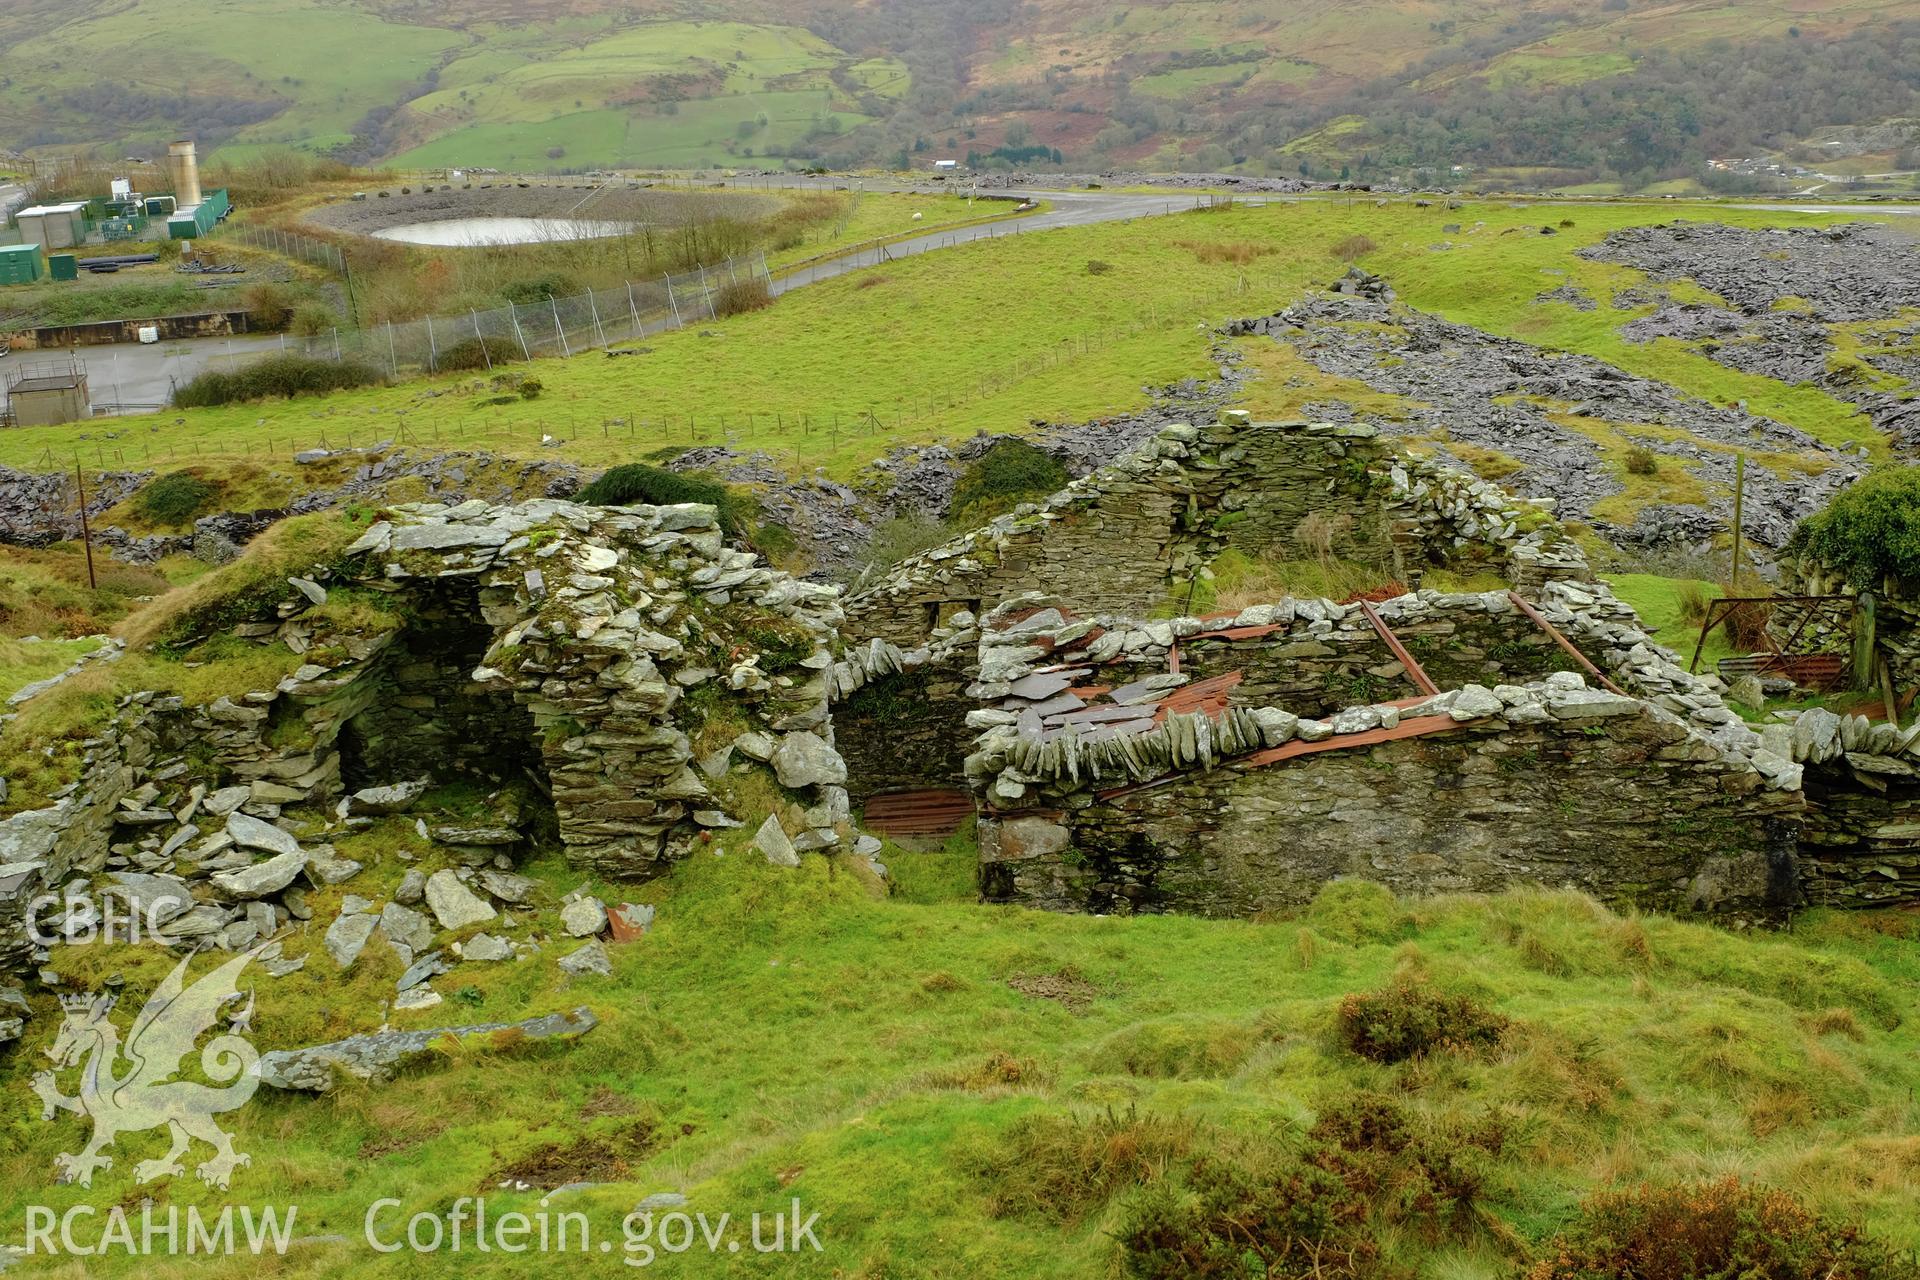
(762, 90)
(328, 64)
(782, 1035)
(988, 336)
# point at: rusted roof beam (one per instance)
(1553, 633)
(1415, 672)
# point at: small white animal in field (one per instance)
(917, 215)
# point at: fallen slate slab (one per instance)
(262, 878)
(771, 840)
(590, 959)
(453, 904)
(583, 917)
(155, 899)
(377, 1057)
(390, 799)
(347, 937)
(250, 832)
(506, 886)
(804, 759)
(425, 969)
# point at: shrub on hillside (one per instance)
(478, 353)
(175, 499)
(268, 305)
(1714, 1229)
(1642, 462)
(310, 320)
(539, 289)
(636, 483)
(1353, 247)
(1258, 1204)
(1870, 530)
(1008, 473)
(1060, 1168)
(737, 296)
(1411, 1017)
(275, 376)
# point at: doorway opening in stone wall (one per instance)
(431, 721)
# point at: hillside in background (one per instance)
(1627, 90)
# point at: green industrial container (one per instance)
(19, 263)
(63, 266)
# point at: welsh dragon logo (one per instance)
(132, 1088)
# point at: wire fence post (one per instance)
(433, 348)
(593, 305)
(481, 338)
(513, 314)
(673, 304)
(554, 302)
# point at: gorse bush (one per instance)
(479, 353)
(539, 289)
(277, 375)
(1870, 530)
(1268, 1205)
(1008, 473)
(1642, 462)
(1714, 1229)
(176, 498)
(269, 305)
(1411, 1017)
(738, 296)
(1061, 1168)
(636, 483)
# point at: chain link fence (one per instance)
(551, 327)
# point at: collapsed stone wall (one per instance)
(613, 640)
(1310, 657)
(1119, 539)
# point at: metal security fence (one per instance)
(550, 327)
(288, 244)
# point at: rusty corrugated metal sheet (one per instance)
(932, 811)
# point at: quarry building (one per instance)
(641, 689)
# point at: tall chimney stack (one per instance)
(185, 168)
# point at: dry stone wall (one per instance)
(1118, 540)
(1110, 778)
(1552, 783)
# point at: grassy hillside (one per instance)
(1176, 83)
(991, 336)
(969, 1091)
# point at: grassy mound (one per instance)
(961, 1090)
(180, 644)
